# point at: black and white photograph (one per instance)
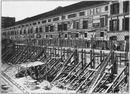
(60, 46)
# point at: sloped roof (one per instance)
(60, 10)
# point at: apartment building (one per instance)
(118, 21)
(85, 20)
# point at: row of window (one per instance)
(64, 26)
(74, 35)
(114, 8)
(114, 24)
(82, 13)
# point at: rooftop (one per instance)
(61, 10)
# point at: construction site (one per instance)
(78, 48)
(51, 69)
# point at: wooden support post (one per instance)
(58, 51)
(46, 71)
(67, 53)
(116, 58)
(82, 59)
(126, 64)
(55, 52)
(112, 69)
(64, 53)
(50, 52)
(101, 56)
(114, 63)
(120, 59)
(93, 64)
(91, 58)
(85, 57)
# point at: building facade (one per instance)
(78, 23)
(118, 20)
(118, 23)
(101, 20)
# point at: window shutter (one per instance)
(36, 30)
(56, 26)
(74, 24)
(101, 34)
(77, 24)
(85, 35)
(59, 27)
(31, 31)
(110, 23)
(127, 4)
(111, 9)
(81, 24)
(117, 24)
(106, 17)
(123, 24)
(102, 22)
(46, 28)
(117, 8)
(127, 24)
(28, 31)
(124, 7)
(85, 24)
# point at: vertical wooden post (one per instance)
(67, 52)
(50, 52)
(112, 70)
(126, 64)
(85, 58)
(58, 51)
(93, 64)
(64, 53)
(82, 58)
(45, 51)
(91, 58)
(55, 52)
(101, 56)
(120, 59)
(114, 67)
(114, 63)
